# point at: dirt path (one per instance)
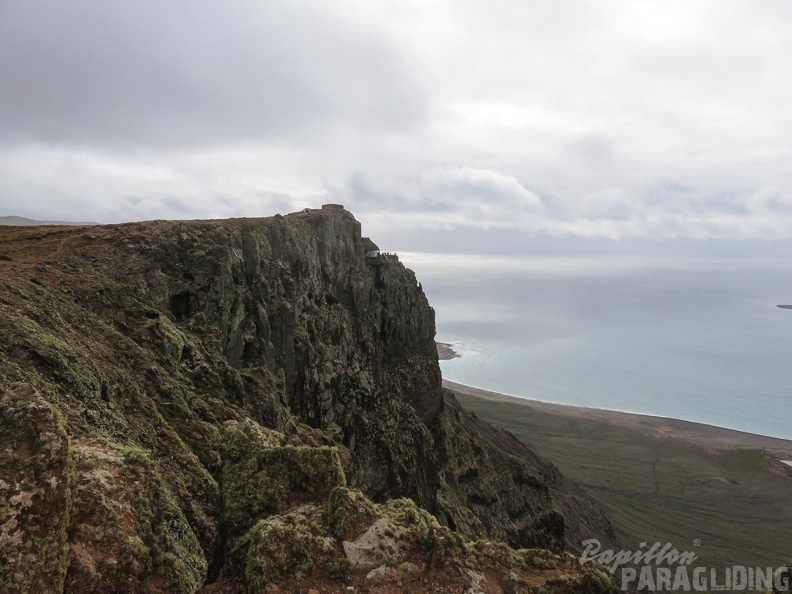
(29, 245)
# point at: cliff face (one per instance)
(169, 385)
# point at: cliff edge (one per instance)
(250, 400)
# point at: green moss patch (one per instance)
(260, 479)
(296, 544)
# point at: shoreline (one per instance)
(708, 436)
(445, 351)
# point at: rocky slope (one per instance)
(184, 402)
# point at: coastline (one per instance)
(445, 351)
(658, 479)
(708, 436)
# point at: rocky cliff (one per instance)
(187, 402)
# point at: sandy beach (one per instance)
(705, 435)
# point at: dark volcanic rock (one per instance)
(191, 380)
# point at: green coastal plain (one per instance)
(729, 504)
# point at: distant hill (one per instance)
(24, 222)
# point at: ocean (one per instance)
(699, 339)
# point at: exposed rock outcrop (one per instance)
(177, 394)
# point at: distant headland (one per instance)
(445, 351)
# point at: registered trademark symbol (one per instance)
(697, 543)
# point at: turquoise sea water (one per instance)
(699, 339)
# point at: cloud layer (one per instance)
(617, 120)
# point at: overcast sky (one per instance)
(478, 119)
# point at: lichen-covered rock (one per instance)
(401, 541)
(294, 544)
(249, 365)
(35, 498)
(83, 515)
(262, 479)
(381, 543)
(128, 534)
(387, 574)
(350, 513)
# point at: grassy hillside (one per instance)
(736, 503)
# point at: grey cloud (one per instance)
(185, 73)
(608, 203)
(595, 152)
(769, 199)
(177, 205)
(485, 121)
(484, 188)
(464, 190)
(460, 203)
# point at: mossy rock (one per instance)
(485, 553)
(399, 531)
(418, 527)
(296, 544)
(350, 533)
(350, 512)
(35, 498)
(261, 479)
(128, 533)
(394, 453)
(592, 581)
